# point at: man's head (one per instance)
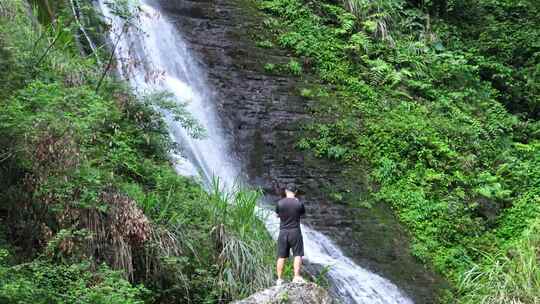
(290, 190)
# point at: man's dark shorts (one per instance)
(290, 239)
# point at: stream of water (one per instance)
(154, 57)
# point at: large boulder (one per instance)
(291, 293)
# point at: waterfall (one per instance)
(156, 58)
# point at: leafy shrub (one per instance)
(43, 282)
(294, 67)
(265, 44)
(269, 67)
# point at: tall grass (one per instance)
(512, 278)
(245, 249)
(218, 230)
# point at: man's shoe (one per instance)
(279, 282)
(299, 280)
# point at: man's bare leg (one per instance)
(297, 266)
(279, 267)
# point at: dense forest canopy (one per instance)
(438, 100)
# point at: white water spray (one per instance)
(155, 58)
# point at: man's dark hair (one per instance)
(291, 187)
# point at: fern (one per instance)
(359, 43)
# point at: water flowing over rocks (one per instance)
(262, 115)
(308, 293)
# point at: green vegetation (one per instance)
(265, 44)
(92, 210)
(441, 99)
(269, 67)
(508, 278)
(45, 282)
(294, 67)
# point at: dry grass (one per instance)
(116, 233)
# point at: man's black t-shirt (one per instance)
(289, 210)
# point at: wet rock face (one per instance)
(262, 115)
(260, 111)
(290, 293)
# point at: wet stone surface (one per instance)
(262, 114)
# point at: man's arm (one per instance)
(277, 209)
(302, 209)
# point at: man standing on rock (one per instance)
(289, 210)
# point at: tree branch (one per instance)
(110, 60)
(40, 60)
(91, 44)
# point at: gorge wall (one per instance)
(263, 112)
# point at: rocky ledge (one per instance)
(308, 293)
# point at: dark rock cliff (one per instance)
(262, 113)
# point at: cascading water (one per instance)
(155, 58)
